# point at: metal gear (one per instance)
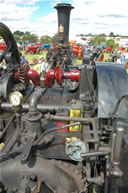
(76, 173)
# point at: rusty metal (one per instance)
(38, 187)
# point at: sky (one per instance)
(88, 16)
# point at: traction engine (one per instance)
(57, 138)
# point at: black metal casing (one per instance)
(63, 11)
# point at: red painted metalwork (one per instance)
(74, 75)
(25, 74)
(34, 77)
(59, 75)
(50, 78)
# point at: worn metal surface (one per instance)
(112, 84)
(51, 172)
(6, 84)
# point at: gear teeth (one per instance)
(21, 74)
(76, 173)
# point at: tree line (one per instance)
(98, 39)
(33, 38)
(103, 34)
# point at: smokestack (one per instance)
(63, 10)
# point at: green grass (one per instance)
(29, 57)
(78, 62)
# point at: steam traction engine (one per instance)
(57, 139)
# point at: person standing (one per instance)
(123, 60)
(43, 64)
(118, 60)
(23, 60)
(35, 65)
(126, 56)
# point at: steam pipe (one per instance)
(63, 118)
(41, 107)
(35, 98)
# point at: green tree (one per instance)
(111, 43)
(19, 33)
(103, 34)
(46, 39)
(54, 38)
(31, 38)
(17, 37)
(111, 34)
(27, 33)
(98, 39)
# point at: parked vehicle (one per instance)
(45, 46)
(36, 49)
(109, 49)
(2, 46)
(101, 46)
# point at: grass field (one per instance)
(29, 57)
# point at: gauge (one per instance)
(15, 98)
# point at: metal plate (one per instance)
(112, 84)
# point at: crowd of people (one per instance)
(40, 65)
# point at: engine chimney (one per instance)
(63, 10)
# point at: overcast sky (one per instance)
(89, 16)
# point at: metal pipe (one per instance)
(10, 142)
(92, 154)
(8, 124)
(123, 123)
(62, 118)
(35, 98)
(44, 108)
(117, 146)
(55, 129)
(113, 145)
